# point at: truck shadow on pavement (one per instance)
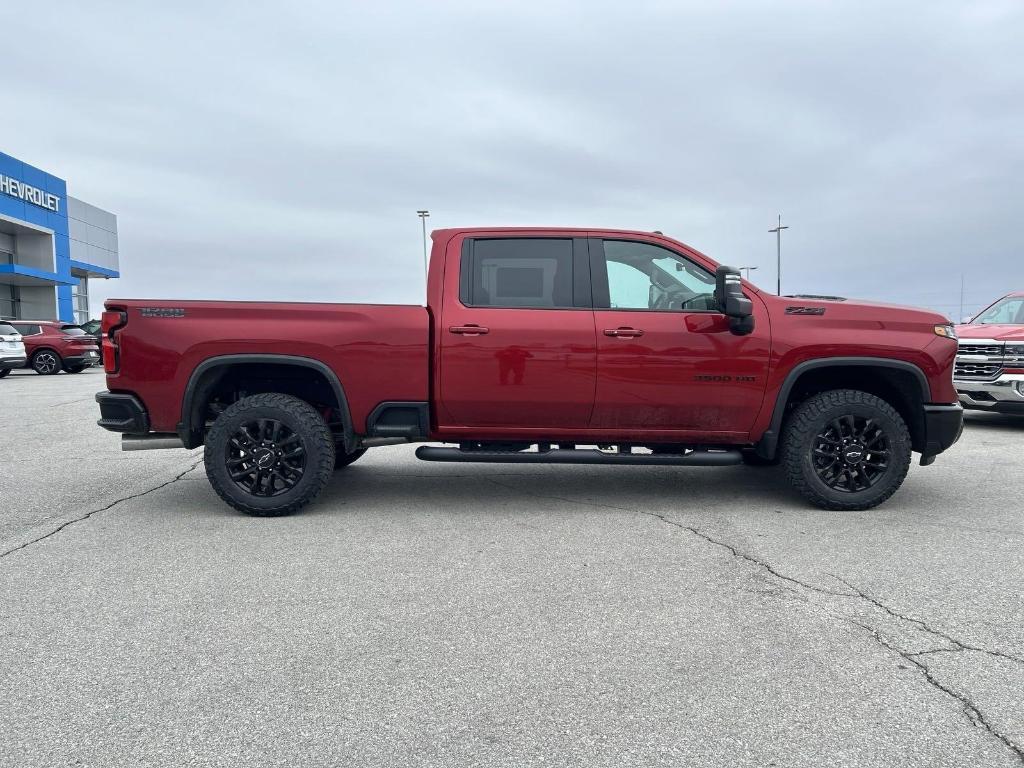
(529, 489)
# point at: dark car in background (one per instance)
(52, 346)
(94, 328)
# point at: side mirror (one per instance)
(731, 301)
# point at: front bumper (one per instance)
(998, 396)
(943, 425)
(13, 362)
(121, 412)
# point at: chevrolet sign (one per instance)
(29, 194)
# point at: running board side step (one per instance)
(150, 441)
(695, 458)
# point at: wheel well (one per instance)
(900, 388)
(214, 387)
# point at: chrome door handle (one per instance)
(469, 330)
(623, 333)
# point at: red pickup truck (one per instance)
(539, 346)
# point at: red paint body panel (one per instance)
(378, 352)
(536, 373)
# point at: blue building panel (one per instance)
(43, 203)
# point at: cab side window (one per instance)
(523, 272)
(647, 277)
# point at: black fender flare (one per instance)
(768, 444)
(186, 429)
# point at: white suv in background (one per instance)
(12, 349)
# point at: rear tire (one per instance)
(269, 454)
(46, 362)
(342, 460)
(846, 450)
(75, 368)
(4, 372)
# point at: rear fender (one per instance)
(208, 373)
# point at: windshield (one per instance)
(1008, 311)
(72, 330)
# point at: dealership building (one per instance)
(50, 246)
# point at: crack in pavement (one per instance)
(89, 514)
(958, 645)
(973, 712)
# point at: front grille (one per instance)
(991, 350)
(976, 370)
(980, 360)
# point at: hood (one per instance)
(858, 310)
(991, 331)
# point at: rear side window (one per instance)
(27, 330)
(525, 272)
(8, 330)
(72, 330)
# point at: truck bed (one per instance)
(379, 352)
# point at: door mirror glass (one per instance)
(731, 301)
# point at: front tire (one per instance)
(846, 450)
(46, 362)
(269, 454)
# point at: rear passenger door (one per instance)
(517, 345)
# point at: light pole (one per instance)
(423, 217)
(749, 270)
(778, 255)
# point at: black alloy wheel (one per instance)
(46, 362)
(265, 457)
(851, 453)
(846, 449)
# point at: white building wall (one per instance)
(93, 235)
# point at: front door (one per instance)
(665, 356)
(517, 348)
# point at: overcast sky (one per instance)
(280, 151)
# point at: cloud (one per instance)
(268, 151)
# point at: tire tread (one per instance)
(314, 430)
(807, 419)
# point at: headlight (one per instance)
(948, 331)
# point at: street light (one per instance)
(749, 270)
(778, 255)
(423, 217)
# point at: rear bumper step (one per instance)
(696, 458)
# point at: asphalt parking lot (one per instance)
(425, 614)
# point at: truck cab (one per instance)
(540, 345)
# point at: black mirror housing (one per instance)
(731, 301)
